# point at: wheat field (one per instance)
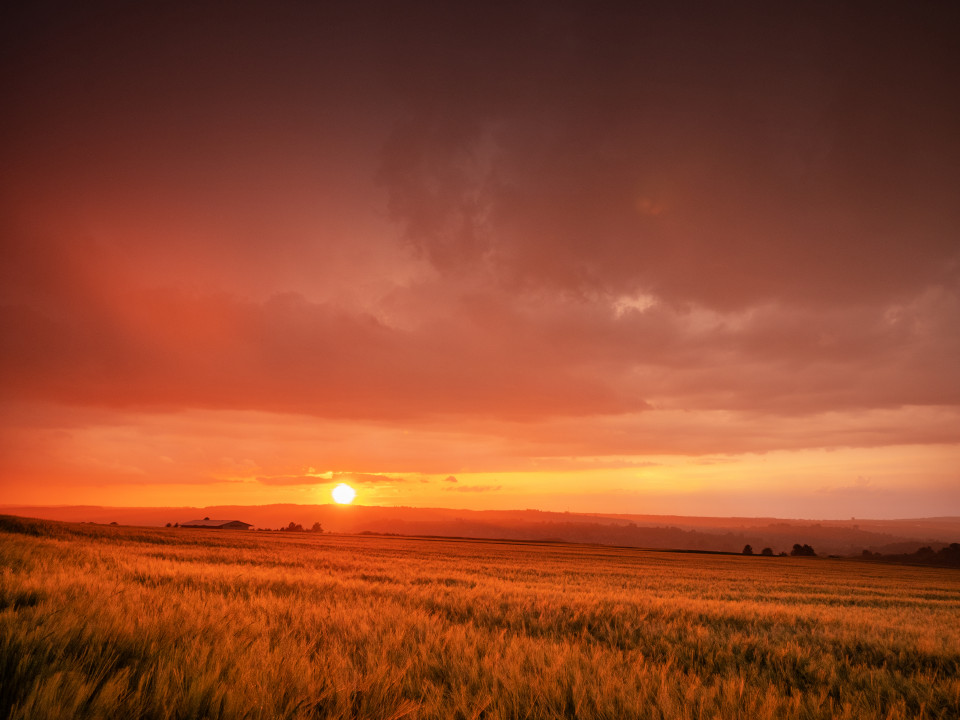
(103, 622)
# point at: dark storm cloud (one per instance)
(535, 213)
(740, 155)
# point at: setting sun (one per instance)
(343, 494)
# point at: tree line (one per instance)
(295, 527)
(798, 551)
(292, 527)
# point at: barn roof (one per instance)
(211, 523)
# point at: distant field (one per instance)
(101, 622)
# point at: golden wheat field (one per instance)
(102, 622)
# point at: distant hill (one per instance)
(833, 537)
(944, 557)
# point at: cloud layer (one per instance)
(601, 236)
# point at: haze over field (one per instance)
(839, 537)
(664, 259)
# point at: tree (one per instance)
(802, 551)
(317, 528)
(950, 554)
(294, 527)
(169, 524)
(747, 550)
(767, 552)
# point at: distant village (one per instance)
(210, 524)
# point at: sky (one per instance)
(669, 257)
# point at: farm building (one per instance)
(217, 524)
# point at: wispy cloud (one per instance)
(366, 478)
(329, 478)
(474, 488)
(292, 480)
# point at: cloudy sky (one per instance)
(675, 259)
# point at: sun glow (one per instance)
(343, 494)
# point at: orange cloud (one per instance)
(474, 488)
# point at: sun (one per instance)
(343, 494)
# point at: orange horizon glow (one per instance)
(885, 486)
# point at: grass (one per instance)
(100, 622)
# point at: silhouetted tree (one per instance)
(747, 550)
(950, 554)
(802, 551)
(206, 518)
(767, 552)
(169, 524)
(317, 528)
(294, 527)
